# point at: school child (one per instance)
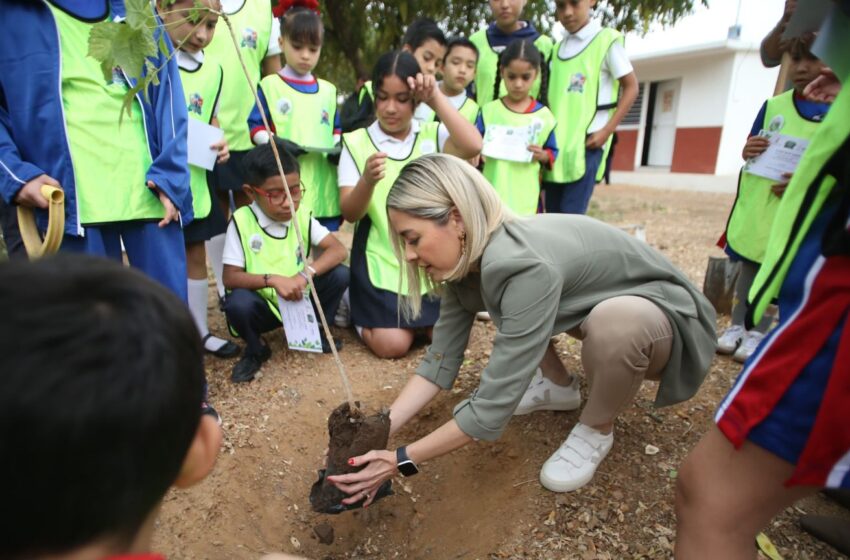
(60, 124)
(100, 408)
(262, 259)
(201, 78)
(458, 70)
(518, 181)
(591, 87)
(258, 36)
(506, 28)
(427, 43)
(370, 161)
(303, 110)
(781, 433)
(758, 198)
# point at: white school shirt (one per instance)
(423, 111)
(348, 174)
(233, 253)
(190, 62)
(232, 6)
(615, 66)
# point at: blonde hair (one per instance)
(430, 187)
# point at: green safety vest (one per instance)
(252, 26)
(755, 205)
(366, 91)
(574, 99)
(110, 159)
(381, 262)
(809, 188)
(468, 110)
(517, 183)
(487, 68)
(308, 120)
(201, 88)
(266, 254)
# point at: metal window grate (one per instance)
(633, 116)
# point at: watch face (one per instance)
(407, 468)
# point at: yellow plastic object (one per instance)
(35, 246)
(766, 547)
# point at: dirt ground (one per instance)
(483, 501)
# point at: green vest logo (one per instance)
(776, 123)
(196, 103)
(577, 81)
(256, 243)
(249, 38)
(284, 105)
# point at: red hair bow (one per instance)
(284, 6)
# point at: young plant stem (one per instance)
(340, 367)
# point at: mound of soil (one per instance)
(351, 434)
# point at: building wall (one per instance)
(751, 85)
(699, 113)
(719, 96)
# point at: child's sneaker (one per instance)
(574, 463)
(751, 341)
(543, 394)
(731, 338)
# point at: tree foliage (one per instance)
(358, 31)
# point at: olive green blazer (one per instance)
(541, 276)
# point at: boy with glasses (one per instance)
(262, 260)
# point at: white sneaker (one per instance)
(731, 338)
(543, 394)
(751, 341)
(343, 312)
(574, 463)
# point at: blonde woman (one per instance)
(638, 318)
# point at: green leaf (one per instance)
(140, 15)
(101, 42)
(150, 71)
(130, 49)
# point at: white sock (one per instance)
(215, 251)
(198, 290)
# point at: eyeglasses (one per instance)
(279, 197)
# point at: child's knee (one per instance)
(389, 343)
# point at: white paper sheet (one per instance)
(201, 137)
(300, 324)
(509, 143)
(781, 156)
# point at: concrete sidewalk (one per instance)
(661, 178)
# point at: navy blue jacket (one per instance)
(32, 120)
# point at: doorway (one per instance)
(660, 133)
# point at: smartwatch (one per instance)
(405, 466)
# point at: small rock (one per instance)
(651, 449)
(324, 532)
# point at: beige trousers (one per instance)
(625, 340)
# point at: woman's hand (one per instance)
(424, 88)
(375, 168)
(755, 146)
(380, 467)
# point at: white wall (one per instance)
(751, 84)
(703, 97)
